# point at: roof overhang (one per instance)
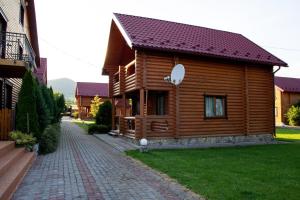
(117, 35)
(33, 30)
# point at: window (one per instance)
(8, 96)
(215, 106)
(160, 104)
(157, 103)
(22, 11)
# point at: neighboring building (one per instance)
(227, 90)
(19, 51)
(287, 93)
(85, 93)
(41, 72)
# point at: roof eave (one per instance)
(122, 30)
(137, 46)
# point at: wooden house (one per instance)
(227, 91)
(41, 72)
(287, 93)
(85, 93)
(19, 51)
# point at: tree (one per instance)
(60, 104)
(95, 106)
(48, 101)
(26, 110)
(42, 110)
(293, 116)
(52, 99)
(104, 114)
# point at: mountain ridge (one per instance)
(65, 86)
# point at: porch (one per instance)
(142, 114)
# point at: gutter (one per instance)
(274, 119)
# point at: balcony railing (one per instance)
(16, 46)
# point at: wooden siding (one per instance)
(284, 100)
(248, 90)
(5, 123)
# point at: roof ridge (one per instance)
(180, 23)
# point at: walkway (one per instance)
(84, 167)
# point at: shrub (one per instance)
(75, 114)
(93, 128)
(293, 116)
(49, 139)
(23, 139)
(96, 102)
(104, 114)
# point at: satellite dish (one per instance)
(177, 74)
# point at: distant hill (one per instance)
(65, 86)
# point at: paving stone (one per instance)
(84, 167)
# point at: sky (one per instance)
(73, 34)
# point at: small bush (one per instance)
(293, 116)
(95, 128)
(22, 139)
(75, 114)
(49, 139)
(104, 114)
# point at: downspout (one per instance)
(274, 120)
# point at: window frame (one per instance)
(8, 96)
(22, 14)
(224, 101)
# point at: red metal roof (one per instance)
(91, 89)
(288, 84)
(148, 33)
(41, 71)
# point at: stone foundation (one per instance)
(208, 141)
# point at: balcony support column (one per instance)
(142, 111)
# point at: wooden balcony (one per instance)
(16, 55)
(116, 84)
(130, 77)
(124, 80)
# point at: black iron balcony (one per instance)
(16, 46)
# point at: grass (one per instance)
(84, 124)
(288, 134)
(256, 172)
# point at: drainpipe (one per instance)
(274, 120)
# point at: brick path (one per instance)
(84, 167)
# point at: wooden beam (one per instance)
(113, 114)
(142, 105)
(177, 122)
(246, 101)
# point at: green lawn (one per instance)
(84, 124)
(288, 134)
(255, 172)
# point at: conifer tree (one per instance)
(26, 111)
(42, 109)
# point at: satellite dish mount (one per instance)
(177, 75)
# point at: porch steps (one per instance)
(14, 163)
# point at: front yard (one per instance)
(255, 172)
(84, 124)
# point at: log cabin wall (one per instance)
(248, 89)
